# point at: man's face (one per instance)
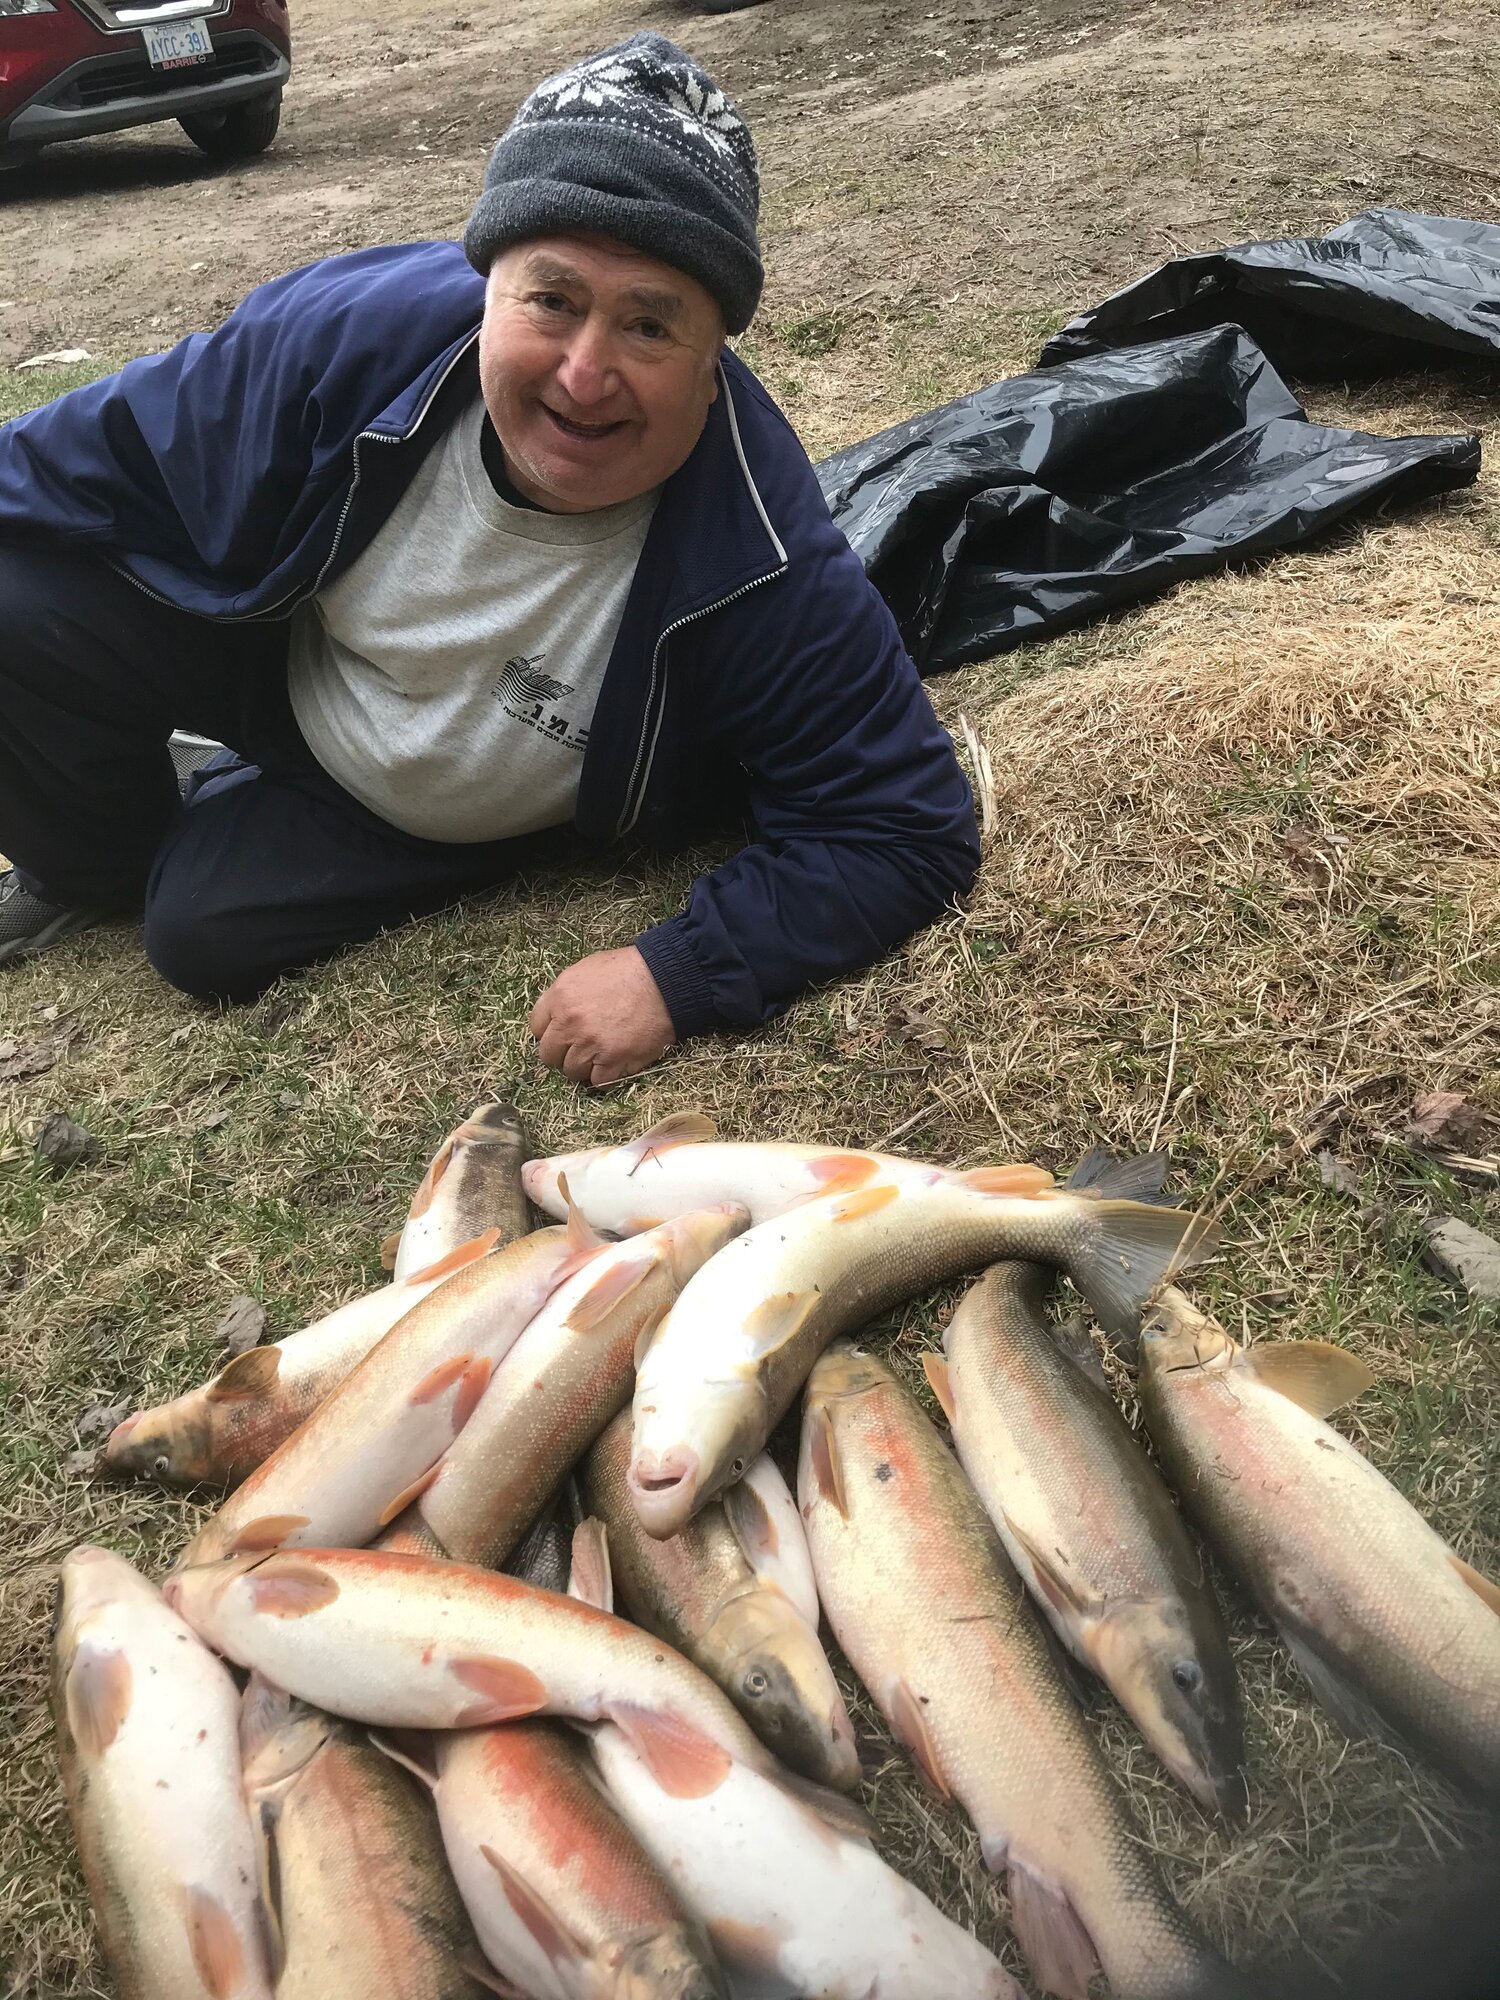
(597, 365)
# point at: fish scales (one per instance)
(700, 1592)
(936, 1623)
(360, 1900)
(737, 1346)
(1393, 1633)
(1092, 1529)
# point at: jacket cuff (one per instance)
(684, 988)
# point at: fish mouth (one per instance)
(664, 1487)
(119, 1439)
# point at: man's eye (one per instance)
(651, 329)
(552, 302)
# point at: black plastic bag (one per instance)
(1387, 292)
(1051, 498)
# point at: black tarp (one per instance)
(1052, 498)
(1388, 291)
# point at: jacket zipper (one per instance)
(656, 702)
(364, 437)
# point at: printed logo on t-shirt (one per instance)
(531, 697)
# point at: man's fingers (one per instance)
(578, 1064)
(553, 1046)
(540, 1015)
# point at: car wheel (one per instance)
(237, 133)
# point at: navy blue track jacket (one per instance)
(755, 661)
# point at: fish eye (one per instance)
(737, 1467)
(1187, 1676)
(756, 1682)
(162, 1464)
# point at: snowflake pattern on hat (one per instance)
(676, 98)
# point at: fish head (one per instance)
(195, 1591)
(1179, 1340)
(542, 1179)
(847, 1368)
(693, 1436)
(672, 1963)
(89, 1581)
(693, 1238)
(491, 1125)
(1179, 1685)
(170, 1443)
(778, 1677)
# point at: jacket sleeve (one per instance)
(866, 821)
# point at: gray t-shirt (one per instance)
(448, 678)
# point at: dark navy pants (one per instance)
(269, 866)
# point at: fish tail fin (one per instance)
(1131, 1251)
(1138, 1177)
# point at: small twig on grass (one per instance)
(1166, 1093)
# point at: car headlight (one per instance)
(27, 7)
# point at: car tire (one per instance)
(239, 132)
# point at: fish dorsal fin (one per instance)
(590, 1579)
(683, 1759)
(1313, 1374)
(455, 1260)
(1486, 1591)
(940, 1381)
(551, 1933)
(866, 1201)
(909, 1720)
(390, 1250)
(441, 1160)
(249, 1374)
(623, 1276)
(823, 1454)
(1060, 1591)
(681, 1128)
(776, 1320)
(1019, 1180)
(751, 1524)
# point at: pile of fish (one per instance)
(499, 1668)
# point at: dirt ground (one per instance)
(944, 184)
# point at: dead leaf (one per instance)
(1457, 1250)
(61, 1144)
(915, 1026)
(1334, 1174)
(212, 1120)
(1447, 1118)
(99, 1419)
(242, 1325)
(80, 1464)
(27, 1058)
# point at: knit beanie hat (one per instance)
(641, 145)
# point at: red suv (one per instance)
(72, 67)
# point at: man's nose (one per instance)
(587, 373)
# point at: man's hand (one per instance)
(603, 1018)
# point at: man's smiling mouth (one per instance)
(588, 433)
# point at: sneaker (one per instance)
(190, 753)
(29, 925)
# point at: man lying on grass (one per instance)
(452, 544)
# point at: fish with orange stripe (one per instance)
(147, 1724)
(472, 1184)
(217, 1434)
(366, 1453)
(734, 1350)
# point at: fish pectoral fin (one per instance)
(646, 1335)
(388, 1747)
(217, 1948)
(909, 1720)
(390, 1250)
(1313, 1374)
(480, 1969)
(249, 1374)
(682, 1128)
(841, 1815)
(751, 1525)
(97, 1696)
(583, 1241)
(456, 1260)
(550, 1932)
(1051, 1934)
(591, 1579)
(1066, 1597)
(610, 1289)
(940, 1382)
(776, 1320)
(683, 1759)
(1483, 1588)
(507, 1689)
(823, 1452)
(393, 1508)
(842, 1173)
(1350, 1708)
(439, 1164)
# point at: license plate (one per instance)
(176, 44)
